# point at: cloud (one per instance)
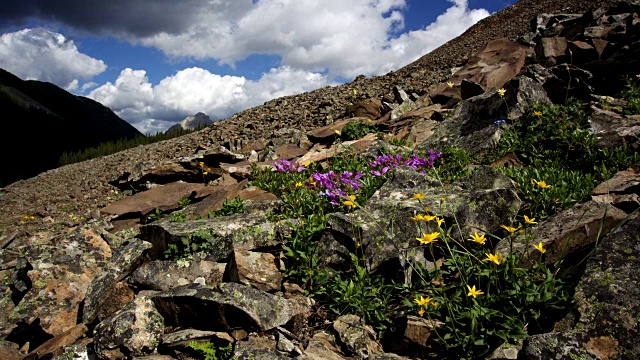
(342, 38)
(155, 108)
(47, 56)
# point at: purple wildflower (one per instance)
(285, 166)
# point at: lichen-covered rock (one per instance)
(167, 274)
(385, 231)
(259, 348)
(60, 277)
(614, 130)
(608, 302)
(476, 123)
(134, 331)
(567, 231)
(227, 306)
(621, 191)
(255, 269)
(359, 339)
(222, 234)
(124, 260)
(55, 346)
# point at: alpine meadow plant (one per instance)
(477, 298)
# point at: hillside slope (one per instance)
(83, 187)
(46, 121)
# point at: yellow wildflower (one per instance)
(473, 292)
(205, 172)
(422, 301)
(201, 164)
(338, 132)
(428, 238)
(417, 217)
(543, 184)
(349, 203)
(480, 239)
(501, 92)
(493, 257)
(540, 248)
(418, 196)
(306, 163)
(298, 184)
(439, 221)
(358, 244)
(530, 221)
(510, 229)
(442, 199)
(421, 312)
(434, 304)
(450, 84)
(428, 218)
(537, 113)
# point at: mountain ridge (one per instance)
(44, 116)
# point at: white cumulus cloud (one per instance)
(342, 38)
(40, 54)
(155, 108)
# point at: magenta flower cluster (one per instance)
(384, 163)
(335, 185)
(285, 166)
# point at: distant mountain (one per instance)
(191, 123)
(40, 121)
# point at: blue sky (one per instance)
(154, 62)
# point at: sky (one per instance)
(155, 62)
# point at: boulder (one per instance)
(621, 191)
(476, 124)
(255, 269)
(133, 331)
(356, 337)
(220, 236)
(368, 108)
(123, 262)
(164, 275)
(613, 130)
(227, 306)
(567, 231)
(606, 303)
(387, 234)
(60, 278)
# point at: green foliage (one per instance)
(511, 292)
(183, 202)
(233, 206)
(157, 214)
(632, 95)
(361, 293)
(189, 245)
(453, 164)
(302, 258)
(209, 351)
(357, 129)
(178, 216)
(110, 147)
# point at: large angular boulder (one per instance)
(124, 261)
(385, 233)
(476, 124)
(227, 306)
(135, 330)
(162, 275)
(607, 303)
(218, 236)
(60, 278)
(567, 231)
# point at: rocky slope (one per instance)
(84, 187)
(77, 286)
